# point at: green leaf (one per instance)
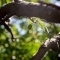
(30, 26)
(41, 23)
(8, 1)
(46, 0)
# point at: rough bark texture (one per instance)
(48, 44)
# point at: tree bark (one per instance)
(29, 9)
(48, 44)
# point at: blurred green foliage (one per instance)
(29, 36)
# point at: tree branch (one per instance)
(29, 9)
(48, 44)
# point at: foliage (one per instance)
(29, 36)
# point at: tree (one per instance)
(46, 11)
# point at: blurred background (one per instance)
(29, 36)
